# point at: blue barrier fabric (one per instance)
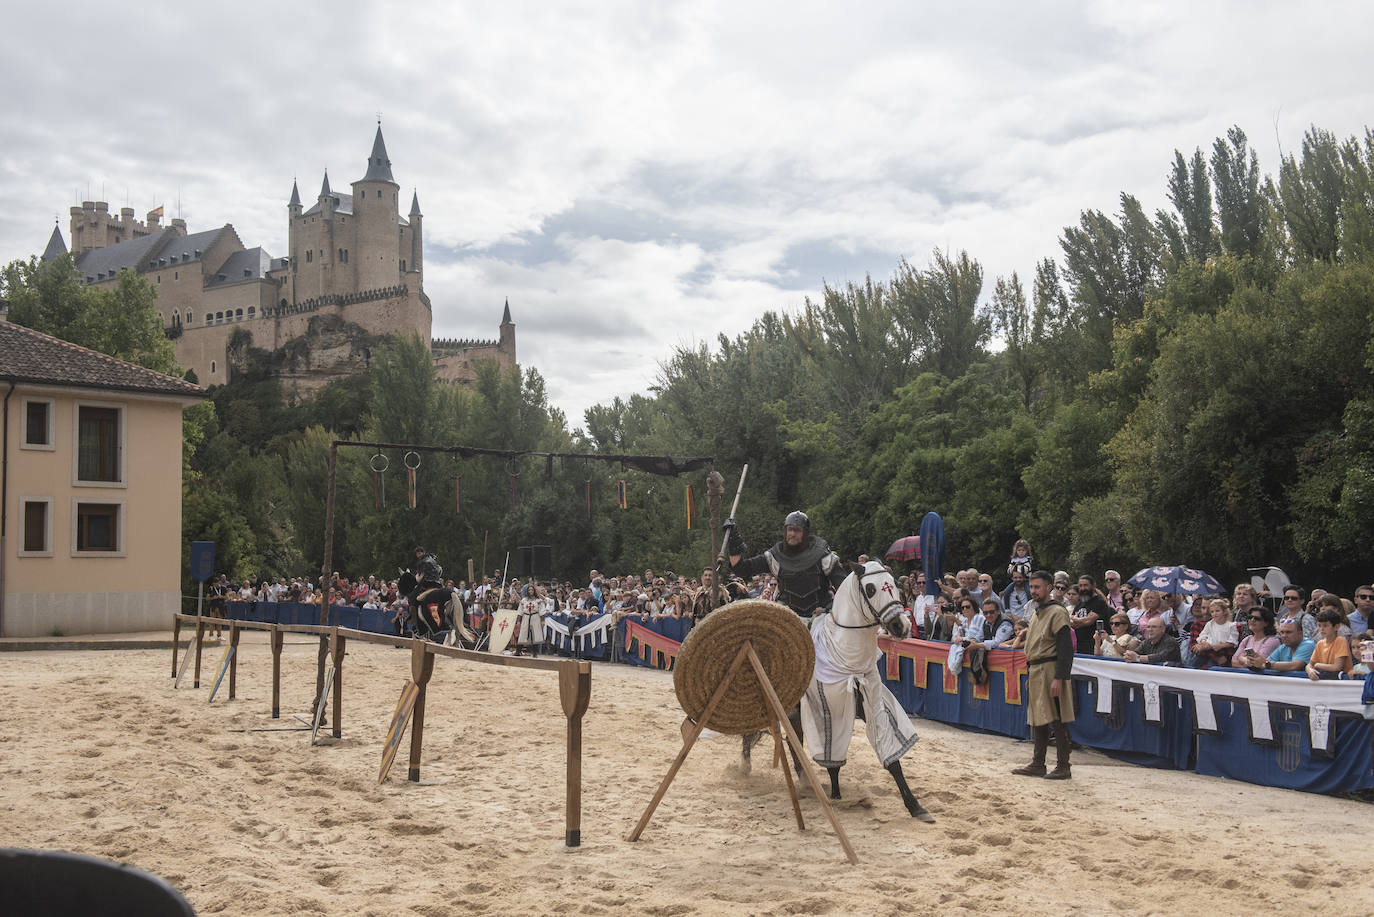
(1289, 761)
(1125, 734)
(1177, 732)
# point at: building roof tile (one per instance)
(41, 359)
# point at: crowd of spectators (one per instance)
(1318, 633)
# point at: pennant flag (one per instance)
(588, 488)
(410, 487)
(378, 490)
(457, 495)
(514, 492)
(691, 508)
(620, 493)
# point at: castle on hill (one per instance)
(354, 275)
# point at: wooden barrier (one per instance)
(574, 686)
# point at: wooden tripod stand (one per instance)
(692, 731)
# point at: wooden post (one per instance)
(176, 642)
(691, 734)
(320, 662)
(575, 690)
(233, 659)
(800, 750)
(326, 567)
(421, 668)
(200, 638)
(276, 671)
(337, 642)
(715, 487)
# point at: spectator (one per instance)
(1118, 639)
(1336, 604)
(997, 625)
(1243, 600)
(1262, 640)
(1294, 599)
(1331, 656)
(1218, 639)
(1111, 583)
(1130, 598)
(1020, 627)
(1157, 648)
(1016, 597)
(1364, 609)
(1151, 606)
(1182, 611)
(968, 629)
(1090, 609)
(1294, 650)
(1358, 645)
(986, 590)
(1021, 559)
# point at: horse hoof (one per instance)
(919, 813)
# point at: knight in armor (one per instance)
(428, 589)
(807, 571)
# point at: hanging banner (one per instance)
(457, 495)
(650, 644)
(589, 637)
(620, 493)
(379, 464)
(691, 507)
(587, 487)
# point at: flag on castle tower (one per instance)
(156, 212)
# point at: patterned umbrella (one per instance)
(933, 557)
(908, 548)
(1185, 580)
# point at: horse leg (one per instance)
(917, 810)
(747, 743)
(795, 718)
(834, 782)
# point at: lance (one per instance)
(744, 473)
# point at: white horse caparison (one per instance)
(847, 667)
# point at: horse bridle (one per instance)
(880, 615)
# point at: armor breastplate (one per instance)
(802, 583)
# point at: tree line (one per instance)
(1190, 386)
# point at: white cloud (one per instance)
(636, 176)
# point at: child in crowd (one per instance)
(1021, 557)
(1362, 651)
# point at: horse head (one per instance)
(879, 596)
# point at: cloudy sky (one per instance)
(636, 176)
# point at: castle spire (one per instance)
(324, 189)
(505, 317)
(56, 246)
(415, 204)
(295, 195)
(378, 165)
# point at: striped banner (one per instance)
(691, 507)
(650, 644)
(620, 493)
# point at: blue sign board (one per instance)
(202, 560)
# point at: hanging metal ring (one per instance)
(372, 463)
(406, 460)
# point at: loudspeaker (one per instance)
(521, 561)
(541, 562)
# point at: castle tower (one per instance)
(293, 239)
(417, 238)
(376, 212)
(507, 343)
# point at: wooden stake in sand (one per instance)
(223, 668)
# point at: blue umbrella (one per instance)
(1184, 580)
(933, 551)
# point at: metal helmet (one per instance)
(798, 518)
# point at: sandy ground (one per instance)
(101, 755)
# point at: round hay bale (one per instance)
(783, 645)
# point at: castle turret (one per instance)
(376, 261)
(56, 246)
(417, 236)
(507, 342)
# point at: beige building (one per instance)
(354, 274)
(90, 522)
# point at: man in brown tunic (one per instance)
(1049, 654)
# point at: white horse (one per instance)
(847, 666)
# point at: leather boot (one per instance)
(1062, 744)
(1040, 735)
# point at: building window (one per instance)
(212, 367)
(309, 256)
(176, 275)
(403, 265)
(252, 310)
(37, 527)
(98, 528)
(99, 443)
(238, 315)
(189, 319)
(38, 424)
